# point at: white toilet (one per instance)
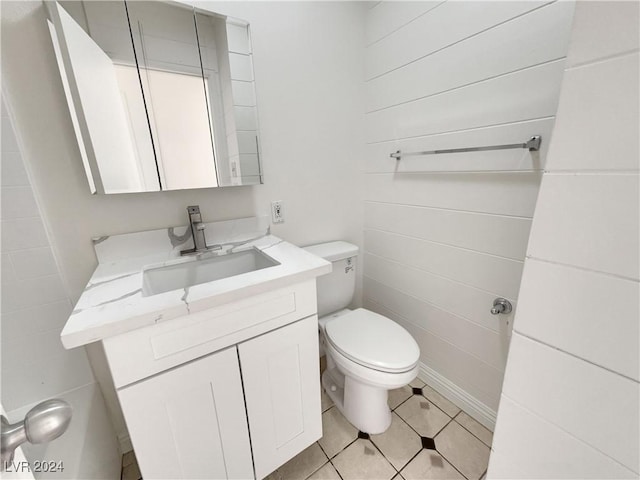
(367, 353)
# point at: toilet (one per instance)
(367, 354)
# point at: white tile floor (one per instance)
(461, 444)
(461, 451)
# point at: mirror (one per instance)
(161, 94)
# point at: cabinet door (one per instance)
(190, 422)
(281, 376)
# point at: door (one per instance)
(190, 422)
(281, 376)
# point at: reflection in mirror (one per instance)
(166, 46)
(233, 106)
(163, 96)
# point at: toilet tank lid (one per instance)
(333, 251)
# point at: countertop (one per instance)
(113, 303)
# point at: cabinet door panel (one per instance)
(280, 371)
(190, 422)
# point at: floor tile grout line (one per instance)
(383, 455)
(443, 455)
(399, 471)
(336, 469)
(411, 427)
(473, 434)
(321, 466)
(442, 409)
(451, 462)
(410, 460)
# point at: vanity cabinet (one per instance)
(280, 371)
(229, 392)
(190, 422)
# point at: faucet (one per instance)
(197, 232)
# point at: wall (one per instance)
(35, 366)
(309, 92)
(444, 235)
(571, 387)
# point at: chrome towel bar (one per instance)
(533, 144)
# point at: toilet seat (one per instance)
(373, 341)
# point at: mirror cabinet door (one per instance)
(95, 45)
(227, 67)
(162, 95)
(166, 46)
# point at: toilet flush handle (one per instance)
(501, 305)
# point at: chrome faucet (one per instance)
(197, 231)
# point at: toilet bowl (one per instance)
(367, 353)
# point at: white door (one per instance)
(190, 422)
(281, 376)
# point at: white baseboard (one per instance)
(467, 402)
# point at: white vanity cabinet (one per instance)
(280, 371)
(190, 422)
(228, 392)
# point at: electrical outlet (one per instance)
(276, 211)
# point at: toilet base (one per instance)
(364, 406)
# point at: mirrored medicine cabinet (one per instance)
(161, 94)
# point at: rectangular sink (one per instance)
(194, 272)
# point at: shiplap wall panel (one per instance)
(475, 59)
(447, 234)
(565, 376)
(389, 17)
(564, 456)
(500, 193)
(493, 234)
(443, 26)
(574, 153)
(455, 297)
(484, 343)
(587, 299)
(572, 372)
(378, 157)
(485, 272)
(588, 224)
(454, 363)
(522, 95)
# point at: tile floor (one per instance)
(130, 469)
(429, 438)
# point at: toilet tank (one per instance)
(336, 289)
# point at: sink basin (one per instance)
(157, 280)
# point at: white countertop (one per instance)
(113, 303)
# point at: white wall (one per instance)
(446, 234)
(34, 308)
(571, 387)
(308, 68)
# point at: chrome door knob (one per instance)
(501, 305)
(43, 423)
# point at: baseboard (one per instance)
(124, 442)
(467, 402)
